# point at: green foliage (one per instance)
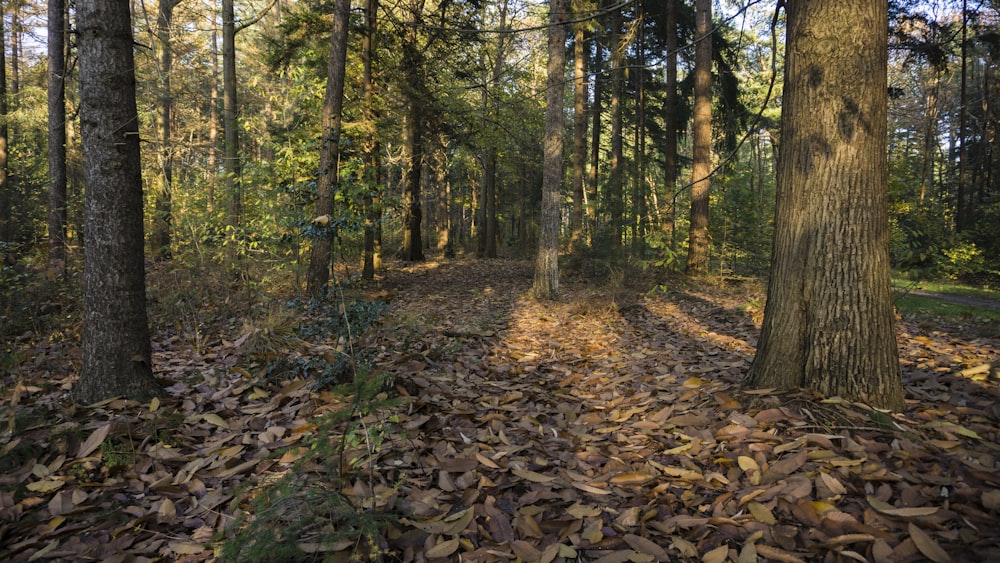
(664, 257)
(328, 500)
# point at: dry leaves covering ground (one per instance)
(607, 427)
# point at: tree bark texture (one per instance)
(616, 173)
(372, 259)
(546, 283)
(329, 161)
(701, 166)
(57, 134)
(829, 321)
(116, 345)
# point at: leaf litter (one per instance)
(608, 426)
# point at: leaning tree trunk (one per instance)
(546, 284)
(117, 354)
(701, 166)
(829, 321)
(329, 169)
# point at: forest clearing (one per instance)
(607, 426)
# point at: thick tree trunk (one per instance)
(828, 322)
(329, 162)
(546, 284)
(57, 133)
(116, 347)
(701, 166)
(164, 178)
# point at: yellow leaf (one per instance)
(215, 419)
(443, 549)
(154, 404)
(761, 513)
(693, 382)
(927, 545)
(45, 486)
(717, 555)
(533, 476)
(831, 482)
(747, 463)
(55, 523)
(632, 478)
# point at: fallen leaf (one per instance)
(927, 545)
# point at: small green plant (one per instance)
(301, 518)
(117, 453)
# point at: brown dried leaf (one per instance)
(927, 545)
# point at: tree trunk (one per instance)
(579, 139)
(828, 321)
(595, 134)
(546, 284)
(372, 201)
(616, 197)
(413, 152)
(230, 126)
(164, 177)
(701, 166)
(57, 133)
(213, 123)
(5, 184)
(670, 104)
(329, 161)
(117, 356)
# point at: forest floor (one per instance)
(608, 426)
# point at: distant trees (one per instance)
(829, 319)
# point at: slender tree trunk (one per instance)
(930, 145)
(329, 157)
(230, 126)
(670, 116)
(616, 198)
(5, 187)
(546, 284)
(701, 167)
(595, 135)
(413, 130)
(372, 201)
(164, 178)
(829, 321)
(117, 355)
(579, 138)
(57, 133)
(213, 122)
(961, 209)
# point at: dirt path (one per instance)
(611, 426)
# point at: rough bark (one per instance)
(116, 345)
(329, 162)
(57, 133)
(546, 283)
(829, 322)
(701, 133)
(6, 191)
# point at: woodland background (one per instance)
(425, 407)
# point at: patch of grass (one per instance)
(921, 306)
(945, 287)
